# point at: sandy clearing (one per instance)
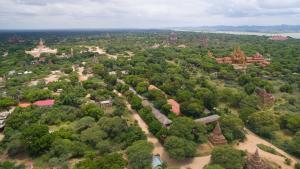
(54, 76)
(250, 146)
(81, 76)
(1, 136)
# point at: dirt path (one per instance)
(1, 136)
(199, 162)
(81, 76)
(193, 163)
(54, 76)
(250, 146)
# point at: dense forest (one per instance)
(98, 80)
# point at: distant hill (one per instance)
(246, 28)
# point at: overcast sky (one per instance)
(43, 14)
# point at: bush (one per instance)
(286, 88)
(6, 102)
(10, 165)
(267, 149)
(213, 167)
(297, 166)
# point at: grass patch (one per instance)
(269, 149)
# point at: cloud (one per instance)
(144, 13)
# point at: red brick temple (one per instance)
(255, 162)
(239, 59)
(278, 38)
(267, 98)
(217, 137)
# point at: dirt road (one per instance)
(250, 146)
(193, 163)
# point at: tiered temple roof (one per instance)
(267, 98)
(255, 162)
(217, 137)
(239, 58)
(41, 48)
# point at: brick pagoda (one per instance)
(255, 162)
(217, 137)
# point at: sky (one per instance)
(72, 14)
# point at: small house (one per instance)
(106, 103)
(175, 106)
(157, 163)
(44, 103)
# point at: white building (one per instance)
(41, 48)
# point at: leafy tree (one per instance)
(66, 149)
(104, 147)
(84, 123)
(136, 102)
(113, 126)
(232, 127)
(294, 145)
(10, 165)
(92, 110)
(228, 157)
(68, 70)
(133, 134)
(208, 97)
(180, 148)
(110, 161)
(142, 87)
(111, 79)
(192, 108)
(290, 122)
(92, 135)
(249, 88)
(263, 123)
(140, 155)
(6, 102)
(183, 95)
(36, 94)
(20, 118)
(286, 88)
(67, 98)
(37, 139)
(100, 70)
(188, 129)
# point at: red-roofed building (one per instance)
(42, 103)
(175, 107)
(24, 105)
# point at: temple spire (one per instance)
(217, 137)
(255, 162)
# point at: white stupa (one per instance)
(41, 48)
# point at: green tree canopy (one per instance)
(140, 155)
(37, 139)
(180, 148)
(228, 157)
